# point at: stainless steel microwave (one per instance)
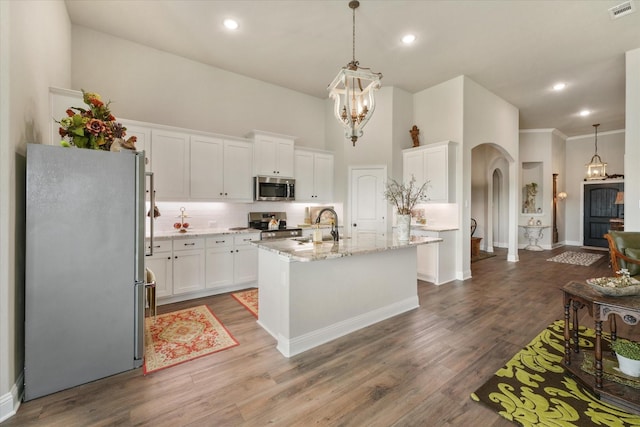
(267, 188)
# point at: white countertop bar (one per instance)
(296, 250)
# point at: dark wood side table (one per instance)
(578, 295)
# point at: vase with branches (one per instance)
(405, 196)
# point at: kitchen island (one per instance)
(311, 293)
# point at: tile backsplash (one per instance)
(226, 215)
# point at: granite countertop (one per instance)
(200, 232)
(303, 250)
(432, 227)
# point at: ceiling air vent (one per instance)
(622, 9)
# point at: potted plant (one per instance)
(628, 353)
(404, 197)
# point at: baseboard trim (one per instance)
(10, 402)
(297, 345)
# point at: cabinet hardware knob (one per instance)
(170, 257)
(176, 257)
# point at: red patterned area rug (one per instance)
(180, 336)
(249, 299)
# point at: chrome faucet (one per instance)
(334, 224)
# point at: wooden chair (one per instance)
(624, 249)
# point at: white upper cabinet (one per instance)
(434, 163)
(238, 166)
(143, 140)
(206, 171)
(220, 169)
(314, 176)
(273, 154)
(170, 164)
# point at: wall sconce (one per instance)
(561, 196)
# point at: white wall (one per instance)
(632, 143)
(488, 119)
(157, 87)
(460, 110)
(438, 112)
(579, 149)
(35, 53)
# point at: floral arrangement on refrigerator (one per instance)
(94, 127)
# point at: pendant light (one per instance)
(596, 168)
(353, 91)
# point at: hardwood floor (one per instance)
(416, 369)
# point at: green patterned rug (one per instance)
(533, 390)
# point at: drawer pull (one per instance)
(220, 241)
(189, 244)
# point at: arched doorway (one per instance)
(490, 196)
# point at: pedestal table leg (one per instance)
(598, 354)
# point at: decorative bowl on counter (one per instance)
(615, 286)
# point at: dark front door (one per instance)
(599, 208)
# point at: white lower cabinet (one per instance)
(188, 265)
(161, 264)
(231, 260)
(245, 265)
(219, 264)
(187, 268)
(436, 262)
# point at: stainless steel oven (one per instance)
(267, 188)
(262, 220)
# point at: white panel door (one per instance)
(368, 206)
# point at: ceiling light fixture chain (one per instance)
(352, 90)
(353, 5)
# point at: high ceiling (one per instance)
(516, 49)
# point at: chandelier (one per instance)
(352, 92)
(596, 168)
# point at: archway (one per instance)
(490, 196)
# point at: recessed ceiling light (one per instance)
(231, 24)
(408, 39)
(559, 86)
(585, 113)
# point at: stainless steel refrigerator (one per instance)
(84, 290)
